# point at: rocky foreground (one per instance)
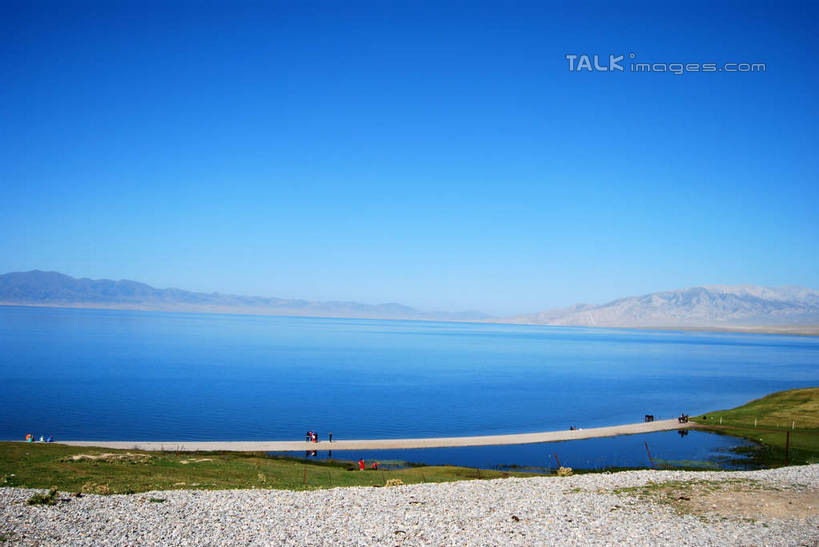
(771, 507)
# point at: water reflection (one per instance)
(680, 448)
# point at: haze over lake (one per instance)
(126, 375)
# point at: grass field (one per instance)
(94, 470)
(790, 417)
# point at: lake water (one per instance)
(120, 375)
(668, 448)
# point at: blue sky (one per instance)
(439, 155)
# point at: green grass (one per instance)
(35, 465)
(44, 499)
(797, 408)
(686, 464)
(769, 421)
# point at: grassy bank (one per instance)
(95, 470)
(790, 417)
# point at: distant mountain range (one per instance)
(38, 288)
(719, 306)
(741, 307)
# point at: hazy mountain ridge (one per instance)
(39, 288)
(707, 306)
(716, 306)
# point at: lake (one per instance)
(696, 449)
(129, 375)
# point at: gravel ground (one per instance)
(581, 509)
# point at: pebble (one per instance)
(579, 509)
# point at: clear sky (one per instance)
(438, 155)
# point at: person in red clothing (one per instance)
(375, 466)
(361, 464)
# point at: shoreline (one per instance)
(383, 444)
(790, 330)
(785, 330)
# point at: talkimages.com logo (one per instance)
(579, 62)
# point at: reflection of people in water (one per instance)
(682, 432)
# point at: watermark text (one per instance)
(582, 62)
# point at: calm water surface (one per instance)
(117, 375)
(695, 449)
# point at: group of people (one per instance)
(312, 437)
(361, 465)
(43, 439)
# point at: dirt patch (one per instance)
(109, 458)
(195, 460)
(737, 499)
(759, 504)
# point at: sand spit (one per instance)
(770, 507)
(375, 444)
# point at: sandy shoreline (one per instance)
(375, 444)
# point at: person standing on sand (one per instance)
(331, 436)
